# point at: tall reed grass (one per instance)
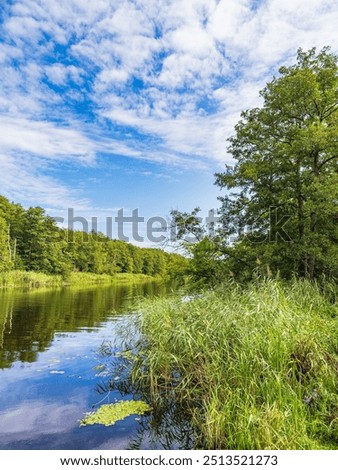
(32, 279)
(255, 367)
(29, 279)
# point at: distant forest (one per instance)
(31, 240)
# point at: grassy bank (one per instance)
(256, 368)
(31, 279)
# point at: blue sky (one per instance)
(107, 104)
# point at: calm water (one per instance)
(49, 374)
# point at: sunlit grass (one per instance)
(32, 279)
(256, 367)
(28, 279)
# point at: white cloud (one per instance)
(22, 180)
(44, 139)
(28, 148)
(178, 71)
(192, 40)
(59, 74)
(31, 418)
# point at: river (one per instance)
(50, 367)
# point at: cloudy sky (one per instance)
(107, 104)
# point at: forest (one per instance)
(30, 240)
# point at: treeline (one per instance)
(278, 213)
(31, 240)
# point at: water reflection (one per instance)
(48, 356)
(168, 425)
(29, 321)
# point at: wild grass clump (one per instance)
(29, 279)
(255, 367)
(83, 279)
(33, 279)
(130, 278)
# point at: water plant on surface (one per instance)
(255, 367)
(110, 414)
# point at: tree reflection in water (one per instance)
(167, 426)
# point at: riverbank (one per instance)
(31, 279)
(255, 367)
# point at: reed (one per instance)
(33, 279)
(255, 367)
(29, 279)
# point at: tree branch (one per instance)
(327, 160)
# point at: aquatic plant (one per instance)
(110, 414)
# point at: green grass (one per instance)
(118, 278)
(31, 279)
(28, 279)
(255, 367)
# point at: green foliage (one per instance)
(286, 170)
(188, 223)
(255, 367)
(206, 267)
(30, 240)
(110, 414)
(177, 266)
(29, 279)
(5, 249)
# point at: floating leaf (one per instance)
(109, 414)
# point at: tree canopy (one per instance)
(281, 195)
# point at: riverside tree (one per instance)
(281, 201)
(283, 189)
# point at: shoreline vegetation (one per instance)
(34, 280)
(255, 367)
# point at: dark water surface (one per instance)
(49, 342)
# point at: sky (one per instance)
(112, 104)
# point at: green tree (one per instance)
(12, 215)
(119, 257)
(148, 262)
(284, 187)
(137, 257)
(206, 250)
(40, 243)
(160, 267)
(5, 249)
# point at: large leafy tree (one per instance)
(283, 190)
(39, 243)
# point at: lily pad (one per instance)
(110, 414)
